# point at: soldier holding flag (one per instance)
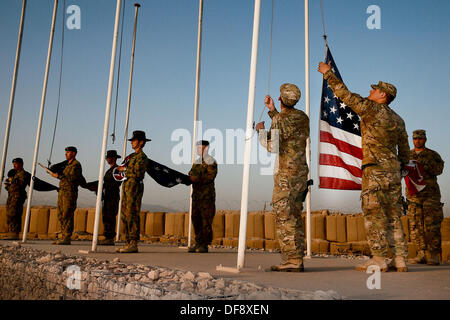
(133, 190)
(385, 150)
(425, 208)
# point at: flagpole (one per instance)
(41, 116)
(105, 128)
(308, 141)
(13, 92)
(196, 102)
(248, 137)
(137, 5)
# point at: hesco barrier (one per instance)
(332, 233)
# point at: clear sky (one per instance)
(410, 50)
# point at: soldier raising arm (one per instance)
(381, 128)
(385, 148)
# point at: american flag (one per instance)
(340, 152)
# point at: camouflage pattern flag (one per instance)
(340, 151)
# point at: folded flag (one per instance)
(413, 174)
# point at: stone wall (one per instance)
(37, 275)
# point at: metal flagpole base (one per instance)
(25, 242)
(86, 251)
(236, 270)
(227, 269)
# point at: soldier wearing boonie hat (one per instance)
(133, 190)
(110, 198)
(287, 137)
(425, 213)
(385, 149)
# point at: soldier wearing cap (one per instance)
(287, 137)
(70, 179)
(15, 185)
(133, 190)
(425, 208)
(385, 149)
(202, 175)
(111, 198)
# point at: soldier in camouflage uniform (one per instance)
(385, 149)
(133, 190)
(16, 197)
(70, 179)
(425, 208)
(287, 137)
(111, 198)
(202, 175)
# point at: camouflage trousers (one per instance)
(67, 204)
(14, 210)
(290, 226)
(109, 216)
(203, 211)
(425, 216)
(382, 209)
(131, 207)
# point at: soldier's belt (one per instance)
(367, 165)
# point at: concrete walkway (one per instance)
(321, 273)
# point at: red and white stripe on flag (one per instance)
(415, 182)
(340, 158)
(340, 151)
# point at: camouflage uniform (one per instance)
(385, 148)
(111, 198)
(14, 204)
(204, 171)
(287, 137)
(425, 208)
(133, 190)
(70, 179)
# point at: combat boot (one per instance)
(433, 260)
(377, 261)
(291, 265)
(62, 242)
(193, 249)
(398, 263)
(106, 242)
(419, 259)
(129, 248)
(202, 249)
(12, 236)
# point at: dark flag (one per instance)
(340, 152)
(165, 176)
(160, 173)
(39, 185)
